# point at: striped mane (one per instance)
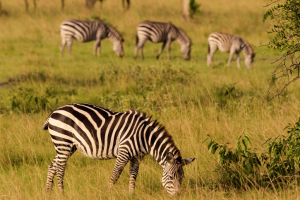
(248, 47)
(160, 129)
(114, 32)
(183, 36)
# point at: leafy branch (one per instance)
(244, 167)
(285, 17)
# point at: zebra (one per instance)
(162, 32)
(101, 133)
(229, 43)
(85, 31)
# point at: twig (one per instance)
(291, 175)
(268, 4)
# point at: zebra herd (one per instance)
(85, 31)
(101, 133)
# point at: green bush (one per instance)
(244, 167)
(194, 8)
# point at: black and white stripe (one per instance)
(229, 43)
(86, 31)
(101, 133)
(162, 32)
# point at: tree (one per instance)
(285, 17)
(27, 5)
(90, 3)
(62, 4)
(186, 12)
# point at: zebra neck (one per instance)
(160, 143)
(112, 38)
(180, 40)
(247, 50)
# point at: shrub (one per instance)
(244, 167)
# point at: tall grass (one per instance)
(190, 99)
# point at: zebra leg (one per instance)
(139, 45)
(230, 57)
(210, 54)
(238, 59)
(51, 174)
(161, 49)
(62, 46)
(169, 48)
(136, 51)
(97, 47)
(63, 154)
(142, 54)
(69, 45)
(121, 162)
(133, 172)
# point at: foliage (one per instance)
(27, 100)
(226, 93)
(194, 8)
(286, 27)
(244, 167)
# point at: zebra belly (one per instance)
(101, 156)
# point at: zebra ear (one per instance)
(188, 161)
(170, 158)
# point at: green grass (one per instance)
(185, 96)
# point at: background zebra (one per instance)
(85, 31)
(101, 133)
(229, 43)
(162, 32)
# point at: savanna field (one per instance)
(188, 98)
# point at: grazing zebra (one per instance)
(162, 32)
(101, 133)
(229, 43)
(86, 31)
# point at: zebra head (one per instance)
(185, 43)
(116, 38)
(173, 173)
(248, 53)
(118, 47)
(249, 60)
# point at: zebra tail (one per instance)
(45, 125)
(208, 48)
(136, 39)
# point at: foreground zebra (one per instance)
(101, 133)
(229, 43)
(162, 32)
(86, 31)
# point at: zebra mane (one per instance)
(154, 124)
(184, 35)
(114, 32)
(248, 47)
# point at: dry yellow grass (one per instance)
(181, 95)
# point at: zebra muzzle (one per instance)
(187, 58)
